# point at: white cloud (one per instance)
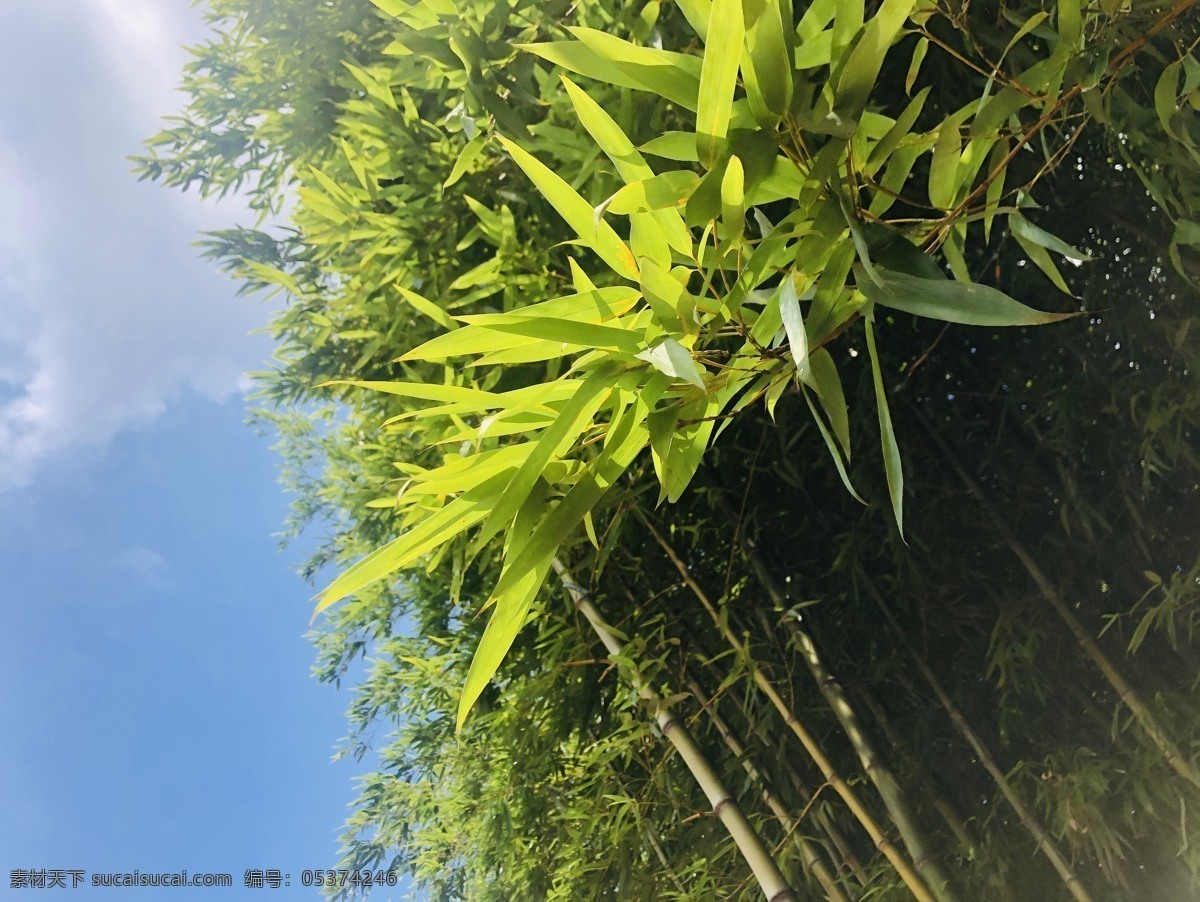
(149, 566)
(109, 315)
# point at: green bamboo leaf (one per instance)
(465, 342)
(832, 448)
(943, 168)
(605, 132)
(718, 78)
(659, 192)
(1022, 227)
(578, 213)
(469, 155)
(678, 146)
(793, 324)
(673, 359)
(892, 464)
(423, 391)
(967, 303)
(575, 416)
(1070, 23)
(597, 305)
(427, 307)
(570, 332)
(630, 164)
(771, 51)
(865, 60)
(697, 13)
(914, 67)
(828, 387)
(733, 200)
(1166, 96)
(674, 76)
(526, 568)
(1042, 260)
(457, 516)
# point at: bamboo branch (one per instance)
(914, 883)
(724, 805)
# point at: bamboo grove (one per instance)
(754, 442)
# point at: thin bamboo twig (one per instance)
(656, 844)
(914, 883)
(1128, 695)
(808, 855)
(724, 805)
(1045, 844)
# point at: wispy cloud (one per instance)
(148, 566)
(108, 313)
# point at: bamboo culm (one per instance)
(1045, 844)
(885, 782)
(772, 882)
(812, 861)
(1128, 695)
(905, 870)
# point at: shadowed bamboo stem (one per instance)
(656, 845)
(1128, 695)
(812, 861)
(914, 883)
(1044, 843)
(930, 789)
(885, 782)
(724, 805)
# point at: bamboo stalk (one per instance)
(841, 853)
(1128, 695)
(931, 790)
(1045, 844)
(808, 855)
(885, 782)
(724, 805)
(914, 883)
(894, 798)
(849, 860)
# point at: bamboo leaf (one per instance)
(524, 572)
(570, 332)
(892, 464)
(733, 200)
(793, 324)
(832, 448)
(575, 417)
(674, 360)
(437, 529)
(967, 303)
(943, 168)
(469, 155)
(578, 213)
(828, 387)
(718, 78)
(865, 60)
(659, 192)
(1022, 227)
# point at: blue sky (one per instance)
(154, 683)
